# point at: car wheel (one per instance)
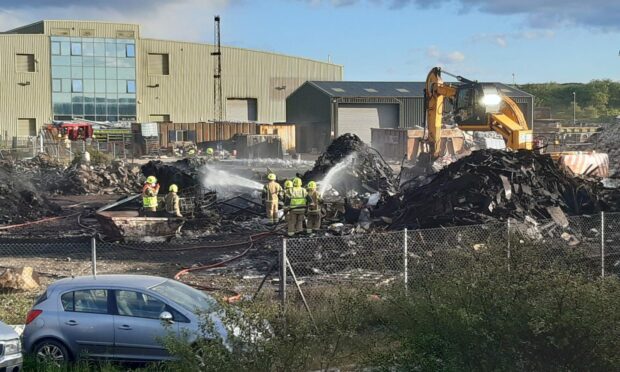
(52, 352)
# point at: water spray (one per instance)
(334, 174)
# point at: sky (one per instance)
(382, 40)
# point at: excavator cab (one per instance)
(474, 101)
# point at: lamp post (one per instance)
(574, 108)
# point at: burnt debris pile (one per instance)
(491, 186)
(115, 178)
(20, 199)
(183, 172)
(366, 173)
(608, 143)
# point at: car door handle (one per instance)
(71, 322)
(125, 327)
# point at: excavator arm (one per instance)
(473, 112)
(435, 92)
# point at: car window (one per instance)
(86, 301)
(186, 296)
(141, 305)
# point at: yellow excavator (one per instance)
(476, 107)
(481, 107)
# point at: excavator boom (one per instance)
(476, 107)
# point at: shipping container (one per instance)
(286, 133)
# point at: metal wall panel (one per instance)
(24, 94)
(187, 93)
(101, 29)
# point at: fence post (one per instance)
(93, 251)
(602, 244)
(406, 261)
(283, 260)
(508, 243)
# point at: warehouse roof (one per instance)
(389, 89)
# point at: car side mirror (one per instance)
(166, 317)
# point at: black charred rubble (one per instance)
(183, 172)
(492, 186)
(368, 173)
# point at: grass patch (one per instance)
(15, 305)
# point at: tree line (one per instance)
(596, 100)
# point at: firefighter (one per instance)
(149, 194)
(209, 153)
(173, 208)
(288, 186)
(297, 202)
(314, 208)
(272, 192)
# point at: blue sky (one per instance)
(537, 40)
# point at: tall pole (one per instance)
(217, 78)
(574, 108)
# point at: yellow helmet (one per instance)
(312, 185)
(151, 179)
(209, 151)
(271, 177)
(288, 184)
(296, 182)
(173, 188)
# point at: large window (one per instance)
(93, 78)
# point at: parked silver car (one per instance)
(119, 317)
(10, 350)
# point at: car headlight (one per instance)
(12, 347)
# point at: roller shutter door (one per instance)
(241, 109)
(360, 118)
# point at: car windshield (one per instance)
(186, 296)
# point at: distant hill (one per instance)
(596, 100)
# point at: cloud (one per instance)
(444, 58)
(165, 19)
(145, 5)
(596, 14)
(502, 40)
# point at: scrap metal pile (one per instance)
(367, 173)
(491, 186)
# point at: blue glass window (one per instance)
(130, 50)
(65, 48)
(88, 49)
(55, 48)
(131, 86)
(76, 49)
(76, 85)
(56, 85)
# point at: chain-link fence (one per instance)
(321, 269)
